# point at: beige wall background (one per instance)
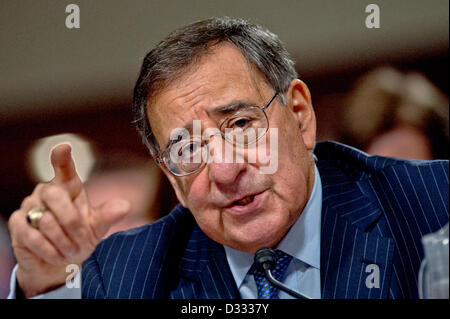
(46, 67)
(57, 80)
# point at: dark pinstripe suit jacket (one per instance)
(375, 211)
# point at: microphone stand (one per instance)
(266, 259)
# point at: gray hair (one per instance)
(181, 50)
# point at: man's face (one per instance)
(234, 203)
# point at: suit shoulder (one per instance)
(122, 263)
(362, 165)
(163, 229)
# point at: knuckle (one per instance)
(46, 222)
(51, 192)
(38, 188)
(26, 202)
(33, 239)
(13, 221)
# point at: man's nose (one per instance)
(225, 166)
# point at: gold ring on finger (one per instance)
(34, 216)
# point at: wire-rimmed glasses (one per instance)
(243, 128)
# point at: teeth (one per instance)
(245, 201)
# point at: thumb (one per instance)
(107, 214)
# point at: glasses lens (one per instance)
(245, 127)
(185, 157)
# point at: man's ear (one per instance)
(173, 181)
(299, 102)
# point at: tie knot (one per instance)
(265, 289)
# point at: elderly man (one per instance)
(342, 224)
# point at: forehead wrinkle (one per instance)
(197, 82)
(187, 95)
(178, 100)
(202, 88)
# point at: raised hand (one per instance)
(68, 231)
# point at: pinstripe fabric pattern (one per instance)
(171, 258)
(374, 211)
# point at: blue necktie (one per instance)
(265, 289)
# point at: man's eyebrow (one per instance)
(231, 107)
(221, 110)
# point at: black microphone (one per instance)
(266, 260)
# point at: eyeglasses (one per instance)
(243, 128)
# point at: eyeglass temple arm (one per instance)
(270, 101)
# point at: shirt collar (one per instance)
(302, 241)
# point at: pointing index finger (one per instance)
(64, 167)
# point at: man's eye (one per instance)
(192, 147)
(188, 149)
(241, 123)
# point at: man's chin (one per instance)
(251, 241)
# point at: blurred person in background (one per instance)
(397, 114)
(122, 175)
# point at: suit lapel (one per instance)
(355, 261)
(204, 270)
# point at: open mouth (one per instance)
(244, 201)
(247, 204)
